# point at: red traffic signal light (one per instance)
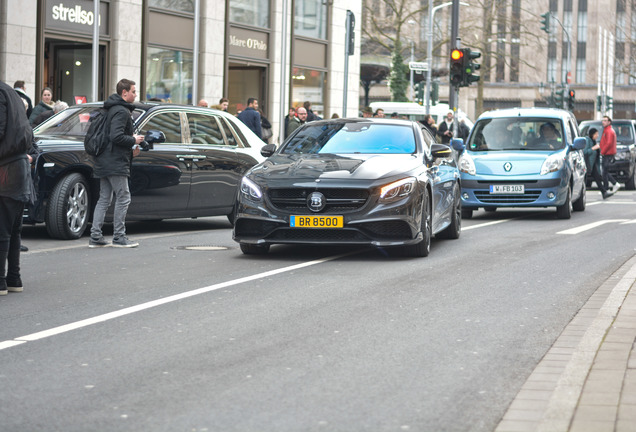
(457, 68)
(457, 54)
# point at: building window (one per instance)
(581, 31)
(173, 5)
(580, 70)
(310, 19)
(620, 27)
(632, 70)
(308, 85)
(552, 69)
(619, 64)
(250, 12)
(169, 75)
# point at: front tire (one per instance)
(631, 183)
(565, 211)
(579, 204)
(69, 204)
(423, 248)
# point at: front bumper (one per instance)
(549, 192)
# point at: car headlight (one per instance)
(552, 163)
(397, 190)
(466, 164)
(251, 190)
(621, 155)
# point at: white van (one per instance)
(415, 111)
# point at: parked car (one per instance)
(378, 182)
(192, 166)
(624, 167)
(524, 157)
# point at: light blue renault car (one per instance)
(524, 157)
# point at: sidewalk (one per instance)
(587, 380)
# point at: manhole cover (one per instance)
(201, 248)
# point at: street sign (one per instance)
(418, 66)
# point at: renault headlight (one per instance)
(250, 190)
(552, 163)
(396, 190)
(466, 164)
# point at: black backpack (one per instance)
(96, 139)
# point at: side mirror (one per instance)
(458, 144)
(154, 136)
(268, 150)
(578, 144)
(441, 151)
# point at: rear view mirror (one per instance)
(268, 150)
(441, 151)
(152, 137)
(578, 144)
(458, 144)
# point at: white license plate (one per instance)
(507, 189)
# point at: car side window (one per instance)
(204, 129)
(167, 122)
(571, 133)
(428, 141)
(231, 139)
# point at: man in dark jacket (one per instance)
(112, 167)
(20, 87)
(16, 188)
(251, 117)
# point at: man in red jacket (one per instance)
(608, 151)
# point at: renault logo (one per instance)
(507, 166)
(316, 201)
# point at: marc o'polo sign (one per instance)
(248, 43)
(76, 16)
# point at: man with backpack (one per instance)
(112, 166)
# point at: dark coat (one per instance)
(16, 138)
(252, 119)
(37, 110)
(27, 99)
(441, 129)
(591, 156)
(116, 159)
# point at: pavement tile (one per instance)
(591, 426)
(612, 356)
(600, 398)
(557, 357)
(627, 412)
(525, 415)
(617, 346)
(624, 426)
(628, 398)
(545, 377)
(516, 426)
(539, 385)
(534, 394)
(599, 386)
(529, 404)
(611, 378)
(600, 413)
(609, 365)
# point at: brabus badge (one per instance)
(316, 201)
(507, 166)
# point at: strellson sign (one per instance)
(76, 16)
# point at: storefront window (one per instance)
(310, 19)
(308, 85)
(169, 75)
(173, 5)
(250, 12)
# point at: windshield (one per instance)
(73, 121)
(353, 138)
(518, 133)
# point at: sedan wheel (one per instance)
(423, 248)
(67, 212)
(455, 228)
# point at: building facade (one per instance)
(591, 47)
(246, 48)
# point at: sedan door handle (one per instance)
(191, 157)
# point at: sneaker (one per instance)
(3, 288)
(23, 248)
(15, 285)
(100, 242)
(616, 187)
(607, 194)
(124, 241)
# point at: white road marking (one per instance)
(485, 224)
(582, 228)
(151, 304)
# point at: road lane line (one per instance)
(154, 303)
(485, 224)
(633, 221)
(582, 228)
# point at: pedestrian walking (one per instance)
(592, 161)
(112, 167)
(16, 187)
(251, 117)
(446, 129)
(608, 151)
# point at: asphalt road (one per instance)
(170, 338)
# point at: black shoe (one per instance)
(607, 194)
(23, 248)
(14, 285)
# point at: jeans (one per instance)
(107, 186)
(606, 161)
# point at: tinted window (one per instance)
(353, 138)
(204, 130)
(519, 133)
(167, 122)
(71, 121)
(231, 140)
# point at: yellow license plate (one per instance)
(316, 221)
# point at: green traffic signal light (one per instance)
(545, 22)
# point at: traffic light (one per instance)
(457, 68)
(571, 100)
(545, 22)
(434, 92)
(418, 90)
(609, 102)
(558, 98)
(470, 67)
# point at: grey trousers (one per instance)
(108, 186)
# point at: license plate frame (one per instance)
(316, 221)
(509, 189)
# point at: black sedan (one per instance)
(191, 167)
(379, 182)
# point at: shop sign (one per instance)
(75, 16)
(248, 43)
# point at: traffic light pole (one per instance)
(453, 90)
